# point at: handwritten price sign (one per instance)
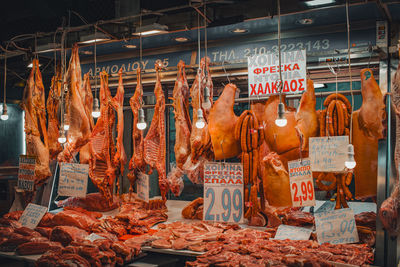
(292, 232)
(336, 227)
(26, 172)
(328, 154)
(32, 215)
(301, 183)
(142, 187)
(223, 192)
(73, 179)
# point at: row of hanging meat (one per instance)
(264, 148)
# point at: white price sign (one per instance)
(93, 237)
(223, 192)
(73, 179)
(32, 215)
(328, 154)
(264, 69)
(142, 187)
(301, 183)
(26, 172)
(292, 232)
(336, 227)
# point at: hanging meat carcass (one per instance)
(183, 127)
(77, 117)
(290, 141)
(84, 152)
(389, 212)
(33, 103)
(137, 163)
(53, 105)
(200, 140)
(102, 170)
(367, 130)
(154, 142)
(221, 125)
(117, 103)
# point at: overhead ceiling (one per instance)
(46, 16)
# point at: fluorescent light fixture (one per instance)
(129, 46)
(91, 38)
(238, 30)
(30, 65)
(306, 21)
(313, 3)
(50, 47)
(319, 85)
(151, 29)
(181, 39)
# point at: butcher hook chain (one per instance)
(351, 80)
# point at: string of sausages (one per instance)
(335, 121)
(250, 135)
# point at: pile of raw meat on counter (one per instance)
(79, 237)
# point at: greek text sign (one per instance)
(336, 227)
(292, 232)
(32, 215)
(142, 187)
(73, 179)
(301, 183)
(223, 192)
(26, 172)
(264, 73)
(328, 154)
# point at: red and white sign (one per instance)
(301, 183)
(263, 72)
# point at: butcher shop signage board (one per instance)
(264, 69)
(336, 227)
(301, 183)
(328, 154)
(143, 187)
(26, 172)
(73, 179)
(223, 192)
(32, 215)
(292, 232)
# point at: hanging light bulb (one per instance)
(350, 162)
(4, 116)
(66, 122)
(96, 109)
(141, 125)
(62, 139)
(281, 119)
(200, 123)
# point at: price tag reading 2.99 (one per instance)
(223, 192)
(301, 183)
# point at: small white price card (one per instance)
(32, 215)
(73, 179)
(301, 183)
(93, 237)
(292, 232)
(336, 227)
(328, 154)
(142, 187)
(26, 172)
(223, 192)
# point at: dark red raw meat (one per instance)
(67, 234)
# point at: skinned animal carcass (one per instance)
(367, 130)
(85, 151)
(137, 163)
(77, 117)
(33, 103)
(154, 142)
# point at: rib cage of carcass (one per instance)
(107, 158)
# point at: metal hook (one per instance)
(227, 76)
(370, 50)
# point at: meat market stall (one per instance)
(181, 137)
